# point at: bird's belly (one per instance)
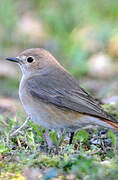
(48, 115)
(51, 116)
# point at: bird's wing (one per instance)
(63, 91)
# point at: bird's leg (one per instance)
(52, 148)
(71, 137)
(61, 135)
(48, 139)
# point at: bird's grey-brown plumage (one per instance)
(53, 98)
(61, 89)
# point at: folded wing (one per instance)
(60, 88)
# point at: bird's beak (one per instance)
(16, 59)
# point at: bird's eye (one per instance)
(30, 59)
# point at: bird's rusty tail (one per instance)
(113, 124)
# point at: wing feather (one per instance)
(60, 88)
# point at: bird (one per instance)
(53, 98)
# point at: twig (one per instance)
(17, 130)
(92, 153)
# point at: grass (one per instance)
(92, 155)
(25, 154)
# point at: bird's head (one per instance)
(34, 60)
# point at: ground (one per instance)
(24, 153)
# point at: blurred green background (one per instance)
(81, 34)
(72, 30)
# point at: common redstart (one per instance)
(53, 98)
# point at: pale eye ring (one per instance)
(30, 59)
